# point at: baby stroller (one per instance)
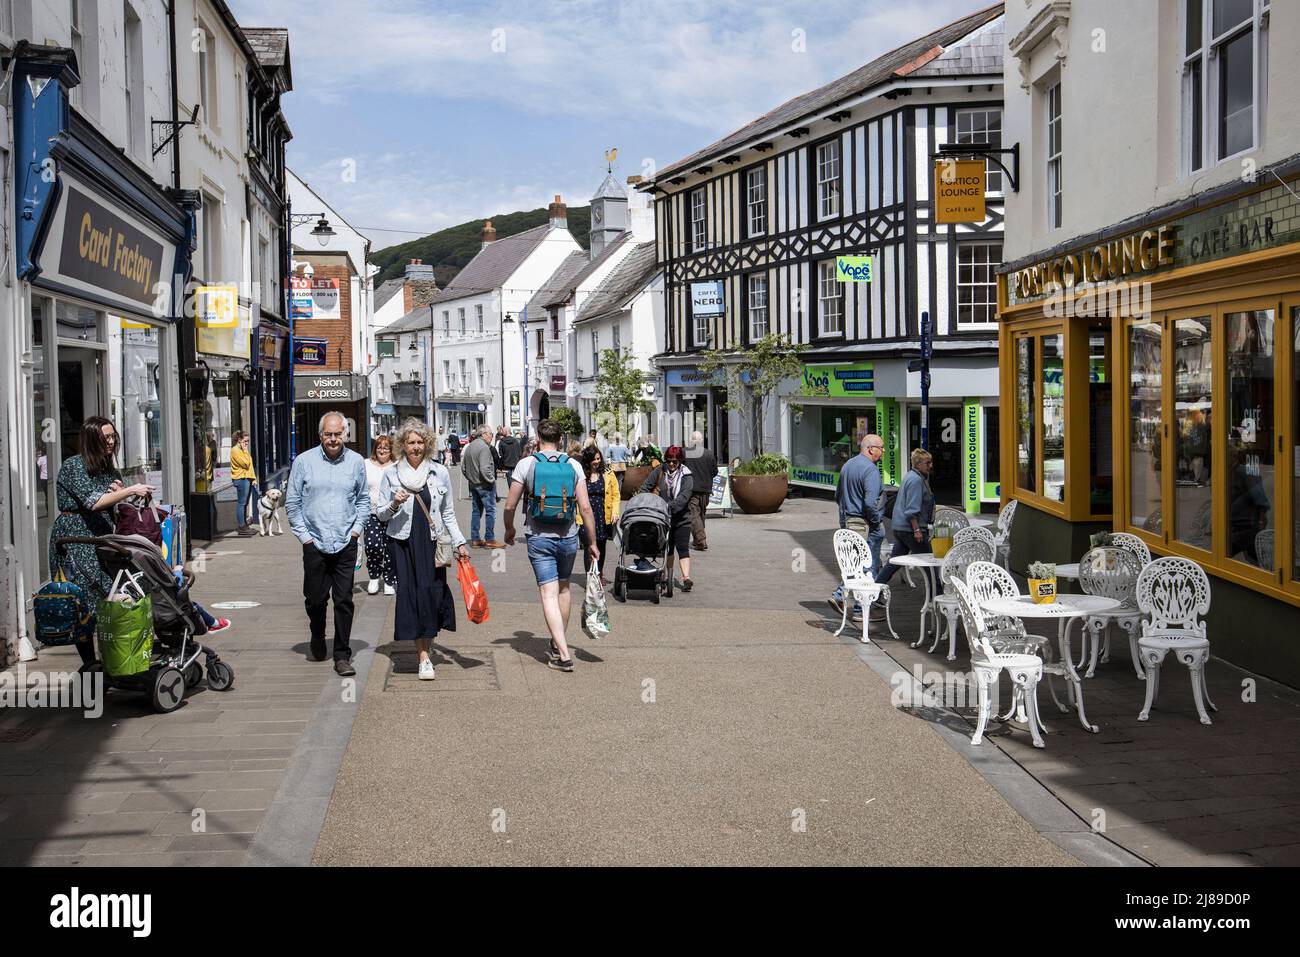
(644, 550)
(140, 571)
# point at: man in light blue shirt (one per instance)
(328, 502)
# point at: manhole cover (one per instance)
(234, 605)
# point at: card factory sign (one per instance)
(104, 252)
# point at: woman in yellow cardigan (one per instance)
(603, 492)
(245, 479)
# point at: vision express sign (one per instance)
(103, 250)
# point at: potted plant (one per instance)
(941, 540)
(1042, 582)
(752, 376)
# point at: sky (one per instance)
(412, 115)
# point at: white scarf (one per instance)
(413, 478)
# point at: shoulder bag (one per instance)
(444, 554)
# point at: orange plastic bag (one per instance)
(475, 595)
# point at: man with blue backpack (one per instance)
(555, 492)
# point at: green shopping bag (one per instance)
(124, 630)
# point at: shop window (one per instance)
(1146, 426)
(1100, 446)
(77, 322)
(1026, 459)
(823, 438)
(1052, 423)
(140, 416)
(1295, 450)
(992, 439)
(1252, 492)
(1193, 465)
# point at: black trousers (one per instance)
(324, 577)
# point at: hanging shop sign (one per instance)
(853, 268)
(314, 298)
(558, 382)
(708, 299)
(110, 256)
(515, 406)
(959, 191)
(310, 352)
(847, 381)
(222, 325)
(270, 347)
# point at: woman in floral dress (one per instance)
(88, 488)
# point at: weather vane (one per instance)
(611, 154)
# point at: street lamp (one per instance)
(322, 232)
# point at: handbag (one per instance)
(472, 590)
(444, 554)
(141, 520)
(595, 613)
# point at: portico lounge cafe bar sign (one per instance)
(1135, 254)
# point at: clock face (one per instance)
(597, 213)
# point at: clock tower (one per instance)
(608, 214)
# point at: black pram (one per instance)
(139, 570)
(643, 560)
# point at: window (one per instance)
(1225, 68)
(208, 76)
(460, 318)
(1026, 414)
(1295, 461)
(830, 300)
(447, 385)
(983, 128)
(977, 287)
(1193, 459)
(1052, 420)
(595, 352)
(446, 324)
(479, 377)
(1100, 396)
(1252, 477)
(699, 225)
(78, 44)
(555, 325)
(211, 239)
(541, 344)
(701, 330)
(462, 379)
(1146, 426)
(756, 201)
(133, 78)
(756, 303)
(1054, 156)
(615, 343)
(478, 319)
(828, 179)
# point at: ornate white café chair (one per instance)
(1111, 571)
(1175, 595)
(1002, 535)
(954, 566)
(854, 558)
(975, 533)
(950, 518)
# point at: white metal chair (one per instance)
(854, 558)
(975, 533)
(954, 566)
(950, 518)
(1264, 542)
(1003, 534)
(986, 581)
(1175, 594)
(1132, 543)
(1111, 571)
(988, 663)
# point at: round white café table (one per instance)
(1065, 608)
(1070, 571)
(928, 565)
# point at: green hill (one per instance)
(448, 250)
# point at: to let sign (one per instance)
(959, 191)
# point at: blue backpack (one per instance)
(63, 616)
(554, 495)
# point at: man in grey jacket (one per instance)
(479, 466)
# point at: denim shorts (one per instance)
(552, 558)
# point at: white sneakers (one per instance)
(389, 590)
(372, 588)
(426, 670)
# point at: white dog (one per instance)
(268, 512)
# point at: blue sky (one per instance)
(455, 111)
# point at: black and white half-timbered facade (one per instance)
(751, 228)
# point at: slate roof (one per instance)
(270, 44)
(493, 266)
(623, 284)
(913, 57)
(386, 291)
(557, 281)
(981, 52)
(417, 320)
(561, 296)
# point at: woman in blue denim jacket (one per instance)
(913, 512)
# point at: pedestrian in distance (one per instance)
(508, 451)
(913, 513)
(245, 481)
(603, 493)
(860, 497)
(672, 482)
(480, 470)
(328, 504)
(419, 512)
(89, 488)
(554, 490)
(453, 447)
(704, 469)
(440, 448)
(378, 562)
(618, 454)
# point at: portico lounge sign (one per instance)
(1136, 254)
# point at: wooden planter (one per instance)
(759, 494)
(633, 478)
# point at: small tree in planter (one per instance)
(568, 420)
(752, 376)
(620, 393)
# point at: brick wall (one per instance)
(336, 332)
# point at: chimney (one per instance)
(416, 269)
(634, 180)
(489, 234)
(559, 214)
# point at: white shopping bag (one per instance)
(595, 614)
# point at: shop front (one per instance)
(342, 392)
(271, 403)
(98, 250)
(461, 418)
(697, 402)
(1153, 378)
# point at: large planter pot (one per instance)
(759, 494)
(633, 478)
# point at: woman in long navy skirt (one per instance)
(418, 512)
